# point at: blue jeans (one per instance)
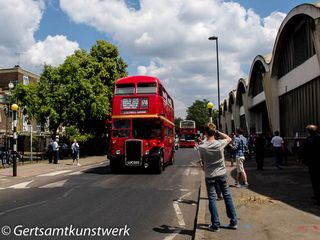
(231, 212)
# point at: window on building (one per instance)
(26, 80)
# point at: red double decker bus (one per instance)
(187, 130)
(142, 131)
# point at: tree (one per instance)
(78, 92)
(198, 112)
(177, 123)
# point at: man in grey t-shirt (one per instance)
(212, 156)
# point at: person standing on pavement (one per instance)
(75, 152)
(277, 144)
(212, 156)
(241, 147)
(55, 151)
(311, 157)
(259, 145)
(50, 151)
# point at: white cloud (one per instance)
(173, 35)
(52, 50)
(19, 20)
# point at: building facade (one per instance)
(282, 91)
(12, 77)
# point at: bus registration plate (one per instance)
(133, 163)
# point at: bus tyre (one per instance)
(159, 164)
(172, 157)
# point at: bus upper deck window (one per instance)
(144, 88)
(124, 89)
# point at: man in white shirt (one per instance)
(277, 143)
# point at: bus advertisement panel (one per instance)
(142, 125)
(187, 132)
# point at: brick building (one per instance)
(12, 77)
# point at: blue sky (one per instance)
(164, 38)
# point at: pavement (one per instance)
(30, 169)
(277, 205)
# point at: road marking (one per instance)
(184, 190)
(22, 207)
(67, 193)
(55, 184)
(194, 172)
(75, 173)
(186, 195)
(179, 214)
(187, 172)
(21, 185)
(172, 235)
(54, 173)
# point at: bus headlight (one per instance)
(118, 152)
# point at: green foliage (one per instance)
(73, 132)
(78, 92)
(199, 113)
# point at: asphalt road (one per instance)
(92, 201)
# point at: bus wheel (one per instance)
(159, 164)
(172, 158)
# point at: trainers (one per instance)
(230, 226)
(213, 228)
(246, 185)
(78, 164)
(233, 226)
(237, 185)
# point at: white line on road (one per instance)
(21, 185)
(55, 184)
(22, 207)
(187, 172)
(54, 173)
(179, 214)
(67, 193)
(75, 173)
(172, 235)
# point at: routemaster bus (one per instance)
(142, 125)
(187, 130)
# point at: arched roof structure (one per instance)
(303, 11)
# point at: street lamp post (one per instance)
(14, 108)
(210, 106)
(217, 51)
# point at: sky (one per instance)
(167, 39)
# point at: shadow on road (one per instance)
(104, 170)
(170, 229)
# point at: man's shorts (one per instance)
(239, 162)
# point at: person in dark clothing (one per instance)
(50, 151)
(311, 157)
(259, 145)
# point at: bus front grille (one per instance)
(133, 152)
